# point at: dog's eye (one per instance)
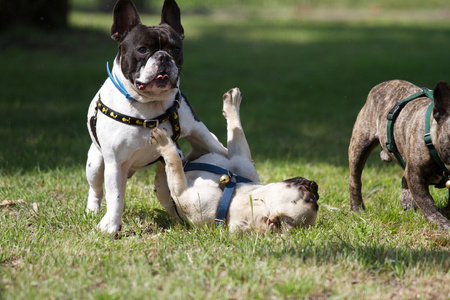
(288, 221)
(142, 50)
(177, 50)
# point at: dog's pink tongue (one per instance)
(141, 86)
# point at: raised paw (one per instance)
(160, 139)
(231, 102)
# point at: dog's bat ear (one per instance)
(441, 94)
(171, 16)
(125, 17)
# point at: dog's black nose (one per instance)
(311, 199)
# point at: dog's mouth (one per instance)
(274, 225)
(274, 228)
(161, 81)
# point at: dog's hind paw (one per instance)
(406, 200)
(231, 102)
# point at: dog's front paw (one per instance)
(231, 101)
(108, 226)
(160, 139)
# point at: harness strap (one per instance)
(390, 144)
(171, 115)
(392, 117)
(191, 166)
(228, 178)
(432, 149)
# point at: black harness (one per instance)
(171, 115)
(390, 144)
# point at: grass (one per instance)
(303, 83)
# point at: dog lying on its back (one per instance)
(421, 169)
(288, 204)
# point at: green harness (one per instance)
(390, 144)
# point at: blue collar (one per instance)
(118, 84)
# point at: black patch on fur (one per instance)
(190, 106)
(93, 127)
(305, 184)
(152, 38)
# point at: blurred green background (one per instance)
(304, 68)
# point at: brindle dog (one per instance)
(421, 169)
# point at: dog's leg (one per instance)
(406, 199)
(423, 199)
(176, 179)
(115, 181)
(238, 149)
(236, 141)
(94, 173)
(162, 191)
(361, 145)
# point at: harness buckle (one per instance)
(427, 139)
(390, 146)
(156, 124)
(218, 222)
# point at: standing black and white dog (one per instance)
(141, 93)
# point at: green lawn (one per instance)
(303, 81)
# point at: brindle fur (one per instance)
(421, 170)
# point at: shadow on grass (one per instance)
(376, 251)
(374, 258)
(303, 84)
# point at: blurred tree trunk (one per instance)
(47, 14)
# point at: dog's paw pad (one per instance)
(236, 96)
(159, 138)
(231, 101)
(155, 136)
(227, 96)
